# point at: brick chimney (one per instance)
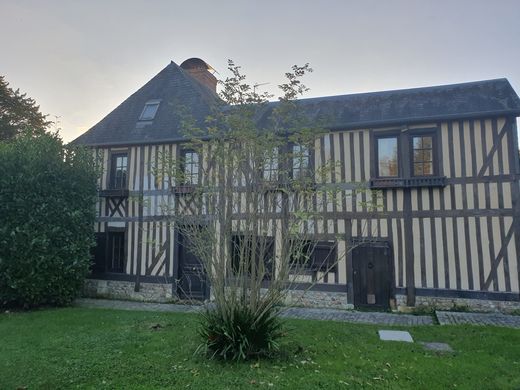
(200, 71)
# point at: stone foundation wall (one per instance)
(336, 300)
(115, 289)
(451, 303)
(159, 292)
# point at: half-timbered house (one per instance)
(445, 159)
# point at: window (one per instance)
(387, 160)
(149, 110)
(109, 253)
(422, 155)
(270, 172)
(119, 171)
(301, 256)
(191, 167)
(406, 159)
(315, 256)
(116, 252)
(264, 247)
(301, 160)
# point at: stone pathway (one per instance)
(360, 317)
(136, 306)
(293, 312)
(495, 319)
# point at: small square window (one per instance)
(149, 111)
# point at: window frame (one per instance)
(424, 132)
(184, 166)
(113, 169)
(102, 253)
(310, 167)
(383, 135)
(113, 234)
(405, 157)
(276, 170)
(156, 103)
(268, 241)
(311, 264)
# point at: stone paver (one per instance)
(496, 319)
(437, 347)
(293, 312)
(395, 335)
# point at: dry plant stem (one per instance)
(255, 234)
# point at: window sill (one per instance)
(114, 192)
(412, 182)
(184, 189)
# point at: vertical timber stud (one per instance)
(408, 248)
(405, 168)
(514, 168)
(140, 221)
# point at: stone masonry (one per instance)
(162, 292)
(483, 305)
(115, 289)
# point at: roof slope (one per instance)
(478, 98)
(173, 84)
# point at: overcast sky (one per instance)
(80, 59)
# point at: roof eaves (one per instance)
(433, 118)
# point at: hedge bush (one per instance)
(47, 214)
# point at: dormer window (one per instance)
(149, 110)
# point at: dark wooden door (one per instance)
(192, 283)
(372, 276)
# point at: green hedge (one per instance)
(47, 214)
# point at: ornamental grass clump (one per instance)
(240, 334)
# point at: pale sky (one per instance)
(80, 59)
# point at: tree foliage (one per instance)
(19, 113)
(47, 198)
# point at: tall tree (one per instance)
(19, 113)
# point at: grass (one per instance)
(97, 348)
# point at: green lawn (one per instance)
(96, 348)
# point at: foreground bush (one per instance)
(241, 333)
(47, 198)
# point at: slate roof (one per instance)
(173, 85)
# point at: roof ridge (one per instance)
(412, 89)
